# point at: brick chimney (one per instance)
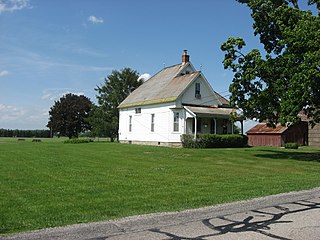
(185, 57)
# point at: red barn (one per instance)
(262, 135)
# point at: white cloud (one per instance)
(13, 5)
(9, 113)
(95, 19)
(21, 117)
(27, 59)
(145, 76)
(3, 73)
(55, 94)
(89, 52)
(38, 115)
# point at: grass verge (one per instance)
(51, 184)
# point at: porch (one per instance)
(209, 120)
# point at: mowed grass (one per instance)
(51, 184)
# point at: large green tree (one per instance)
(67, 117)
(117, 86)
(274, 85)
(99, 122)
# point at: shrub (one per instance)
(214, 141)
(36, 140)
(291, 145)
(188, 141)
(77, 140)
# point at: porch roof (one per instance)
(218, 112)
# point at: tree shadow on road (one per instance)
(249, 224)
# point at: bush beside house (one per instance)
(214, 141)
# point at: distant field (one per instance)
(49, 183)
(55, 139)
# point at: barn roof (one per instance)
(262, 128)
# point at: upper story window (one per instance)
(197, 91)
(138, 110)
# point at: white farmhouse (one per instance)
(177, 100)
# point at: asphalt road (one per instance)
(289, 216)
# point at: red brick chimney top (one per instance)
(185, 57)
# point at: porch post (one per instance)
(215, 126)
(195, 127)
(241, 122)
(232, 123)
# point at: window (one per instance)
(130, 123)
(138, 110)
(152, 122)
(197, 91)
(176, 122)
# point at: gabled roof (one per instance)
(262, 128)
(165, 86)
(223, 100)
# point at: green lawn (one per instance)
(50, 184)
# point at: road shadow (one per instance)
(248, 224)
(288, 154)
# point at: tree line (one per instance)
(24, 133)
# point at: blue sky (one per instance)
(52, 47)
